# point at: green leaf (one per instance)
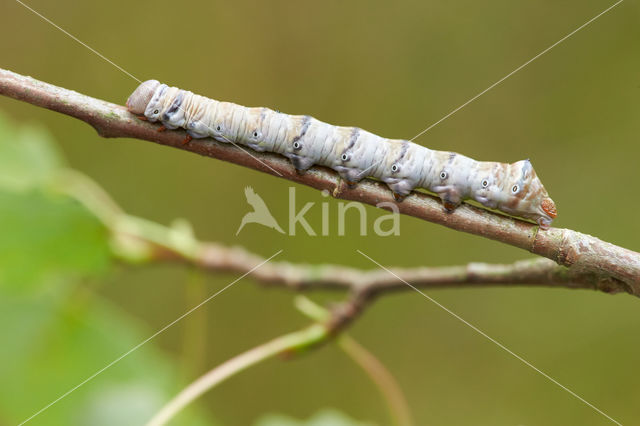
(51, 347)
(44, 237)
(57, 337)
(28, 156)
(48, 238)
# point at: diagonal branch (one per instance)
(318, 333)
(532, 272)
(372, 366)
(608, 265)
(295, 341)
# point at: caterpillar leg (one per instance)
(196, 135)
(450, 198)
(256, 147)
(400, 188)
(350, 176)
(162, 128)
(301, 164)
(450, 203)
(197, 130)
(398, 197)
(142, 117)
(449, 206)
(544, 223)
(187, 139)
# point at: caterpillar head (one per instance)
(139, 99)
(522, 194)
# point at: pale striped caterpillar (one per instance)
(352, 152)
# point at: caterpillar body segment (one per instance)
(353, 152)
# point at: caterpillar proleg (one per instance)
(352, 152)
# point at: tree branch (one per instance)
(532, 272)
(383, 379)
(603, 265)
(139, 240)
(289, 342)
(372, 366)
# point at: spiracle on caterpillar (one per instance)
(352, 152)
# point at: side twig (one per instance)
(326, 326)
(611, 266)
(383, 379)
(289, 342)
(372, 366)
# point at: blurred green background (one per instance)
(391, 68)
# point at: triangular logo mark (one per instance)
(260, 213)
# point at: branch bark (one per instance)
(532, 272)
(138, 240)
(610, 267)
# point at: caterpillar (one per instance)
(352, 152)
